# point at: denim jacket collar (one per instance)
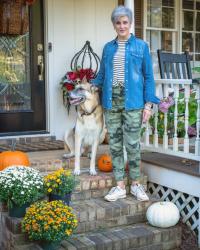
(131, 38)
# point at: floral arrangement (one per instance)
(71, 79)
(20, 185)
(59, 182)
(30, 2)
(166, 103)
(50, 221)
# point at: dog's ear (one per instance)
(84, 80)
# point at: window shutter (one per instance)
(120, 2)
(139, 18)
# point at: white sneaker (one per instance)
(138, 191)
(115, 193)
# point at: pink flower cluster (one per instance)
(165, 104)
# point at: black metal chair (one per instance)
(175, 66)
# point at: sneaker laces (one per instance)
(113, 189)
(140, 188)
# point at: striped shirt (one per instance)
(119, 64)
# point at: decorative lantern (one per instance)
(86, 58)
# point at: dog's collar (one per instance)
(86, 113)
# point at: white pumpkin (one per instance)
(163, 214)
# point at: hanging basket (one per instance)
(13, 17)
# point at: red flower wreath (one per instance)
(71, 79)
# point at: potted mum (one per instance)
(20, 186)
(49, 223)
(59, 185)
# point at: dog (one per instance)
(90, 126)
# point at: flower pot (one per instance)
(49, 245)
(65, 198)
(18, 211)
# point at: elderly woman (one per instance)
(127, 83)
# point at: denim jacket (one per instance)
(139, 83)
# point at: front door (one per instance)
(22, 83)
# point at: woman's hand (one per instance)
(146, 115)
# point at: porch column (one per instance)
(130, 4)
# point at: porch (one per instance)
(95, 215)
(171, 172)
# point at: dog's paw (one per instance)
(93, 172)
(67, 156)
(77, 171)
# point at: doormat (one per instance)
(35, 146)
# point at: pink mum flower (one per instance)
(165, 104)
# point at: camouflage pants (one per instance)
(123, 129)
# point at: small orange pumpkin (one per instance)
(9, 158)
(105, 163)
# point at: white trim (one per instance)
(160, 29)
(170, 178)
(45, 13)
(49, 64)
(130, 4)
(180, 26)
(25, 136)
(144, 19)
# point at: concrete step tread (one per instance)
(126, 237)
(98, 186)
(101, 180)
(128, 202)
(97, 213)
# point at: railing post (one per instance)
(197, 141)
(186, 138)
(165, 137)
(175, 139)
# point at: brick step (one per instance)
(95, 214)
(53, 159)
(134, 237)
(98, 186)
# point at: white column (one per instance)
(130, 4)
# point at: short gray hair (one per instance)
(120, 11)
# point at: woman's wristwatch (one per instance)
(148, 106)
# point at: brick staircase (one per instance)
(102, 225)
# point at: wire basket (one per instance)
(13, 17)
(86, 58)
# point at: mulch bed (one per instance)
(189, 239)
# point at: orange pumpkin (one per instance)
(9, 158)
(105, 163)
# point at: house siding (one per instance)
(68, 25)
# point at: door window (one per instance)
(15, 88)
(191, 31)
